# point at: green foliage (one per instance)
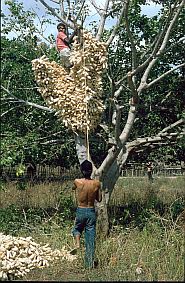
(150, 208)
(2, 185)
(21, 23)
(149, 234)
(162, 104)
(21, 185)
(156, 250)
(177, 208)
(30, 134)
(12, 219)
(66, 208)
(20, 170)
(27, 131)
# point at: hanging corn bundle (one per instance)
(75, 96)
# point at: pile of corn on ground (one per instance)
(19, 255)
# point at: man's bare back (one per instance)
(87, 191)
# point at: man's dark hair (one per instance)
(86, 168)
(61, 25)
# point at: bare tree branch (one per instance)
(133, 47)
(37, 31)
(177, 123)
(80, 11)
(160, 137)
(4, 113)
(57, 15)
(118, 92)
(55, 1)
(117, 126)
(108, 161)
(102, 20)
(134, 93)
(56, 141)
(141, 67)
(116, 27)
(151, 56)
(61, 5)
(161, 49)
(157, 40)
(129, 123)
(68, 10)
(98, 9)
(164, 75)
(26, 102)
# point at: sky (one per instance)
(149, 10)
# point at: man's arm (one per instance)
(74, 193)
(74, 186)
(70, 40)
(66, 39)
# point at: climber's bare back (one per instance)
(87, 191)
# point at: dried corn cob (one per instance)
(75, 96)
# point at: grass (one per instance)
(39, 195)
(128, 254)
(126, 191)
(146, 241)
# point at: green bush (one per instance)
(177, 208)
(140, 214)
(12, 219)
(66, 208)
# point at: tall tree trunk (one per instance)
(108, 183)
(108, 179)
(81, 148)
(102, 225)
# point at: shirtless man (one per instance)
(87, 192)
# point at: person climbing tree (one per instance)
(87, 192)
(63, 44)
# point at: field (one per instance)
(146, 240)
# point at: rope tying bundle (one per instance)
(87, 126)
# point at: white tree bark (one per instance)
(81, 147)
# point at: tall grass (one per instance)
(146, 240)
(153, 254)
(127, 190)
(41, 195)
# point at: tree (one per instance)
(140, 61)
(28, 132)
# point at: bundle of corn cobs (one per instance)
(76, 96)
(19, 255)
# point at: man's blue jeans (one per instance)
(86, 220)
